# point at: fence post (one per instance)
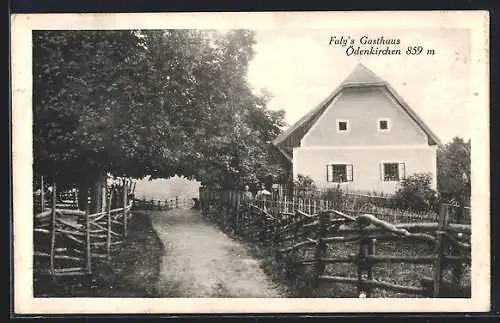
(371, 251)
(237, 212)
(75, 199)
(88, 250)
(108, 240)
(320, 253)
(125, 219)
(53, 231)
(438, 268)
(42, 194)
(458, 268)
(360, 261)
(364, 266)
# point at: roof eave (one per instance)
(361, 85)
(433, 138)
(286, 134)
(284, 153)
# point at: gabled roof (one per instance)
(361, 76)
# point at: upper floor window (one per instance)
(342, 126)
(339, 173)
(384, 124)
(391, 172)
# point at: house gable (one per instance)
(367, 84)
(363, 108)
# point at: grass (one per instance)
(396, 273)
(399, 273)
(296, 279)
(133, 271)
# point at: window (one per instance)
(390, 172)
(384, 124)
(342, 126)
(339, 173)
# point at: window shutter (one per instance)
(382, 171)
(349, 172)
(402, 171)
(329, 173)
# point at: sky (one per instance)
(162, 189)
(300, 69)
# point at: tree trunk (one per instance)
(83, 195)
(96, 201)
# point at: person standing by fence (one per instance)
(262, 195)
(246, 200)
(247, 196)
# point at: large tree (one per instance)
(149, 102)
(454, 170)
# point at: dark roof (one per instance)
(361, 76)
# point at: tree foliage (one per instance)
(454, 170)
(149, 102)
(416, 194)
(303, 182)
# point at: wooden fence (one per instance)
(68, 241)
(312, 202)
(330, 247)
(168, 204)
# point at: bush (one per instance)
(304, 187)
(416, 194)
(304, 183)
(337, 195)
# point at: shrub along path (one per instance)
(201, 261)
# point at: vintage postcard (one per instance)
(291, 162)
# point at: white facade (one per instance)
(366, 163)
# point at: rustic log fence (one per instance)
(332, 247)
(313, 201)
(176, 202)
(69, 241)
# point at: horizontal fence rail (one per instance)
(317, 243)
(168, 204)
(69, 241)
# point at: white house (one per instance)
(363, 136)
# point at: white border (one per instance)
(364, 147)
(22, 25)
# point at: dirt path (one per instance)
(201, 261)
